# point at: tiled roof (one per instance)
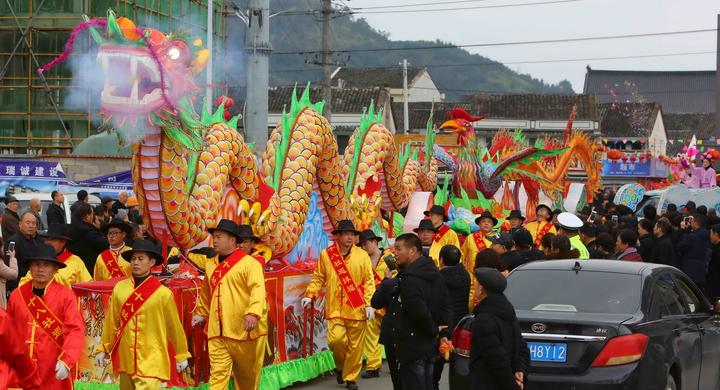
(627, 119)
(683, 126)
(677, 92)
(345, 100)
(418, 113)
(369, 77)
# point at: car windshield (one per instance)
(568, 291)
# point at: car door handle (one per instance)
(702, 330)
(676, 332)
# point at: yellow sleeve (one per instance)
(82, 273)
(199, 260)
(25, 279)
(111, 323)
(454, 240)
(318, 279)
(203, 303)
(99, 270)
(176, 334)
(368, 279)
(255, 280)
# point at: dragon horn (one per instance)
(113, 28)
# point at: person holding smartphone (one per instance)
(8, 271)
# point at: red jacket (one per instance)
(630, 254)
(14, 359)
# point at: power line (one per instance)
(511, 43)
(420, 4)
(407, 11)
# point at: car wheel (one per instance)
(670, 384)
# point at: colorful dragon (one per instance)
(190, 169)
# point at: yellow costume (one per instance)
(232, 349)
(448, 237)
(197, 259)
(143, 356)
(74, 273)
(536, 228)
(102, 273)
(470, 250)
(346, 325)
(373, 352)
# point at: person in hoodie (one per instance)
(712, 280)
(419, 312)
(499, 357)
(694, 247)
(457, 282)
(625, 246)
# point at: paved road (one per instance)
(382, 383)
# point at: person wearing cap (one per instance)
(74, 271)
(504, 245)
(55, 213)
(443, 234)
(516, 221)
(141, 320)
(110, 264)
(542, 225)
(476, 243)
(232, 301)
(345, 271)
(247, 243)
(426, 233)
(133, 210)
(48, 319)
(569, 226)
(499, 357)
(14, 359)
(10, 218)
(370, 243)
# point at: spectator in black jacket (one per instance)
(650, 213)
(10, 218)
(457, 282)
(86, 240)
(712, 281)
(26, 242)
(383, 298)
(82, 198)
(695, 249)
(419, 313)
(663, 251)
(646, 238)
(499, 357)
(120, 203)
(55, 213)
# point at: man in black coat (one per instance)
(419, 310)
(457, 282)
(663, 251)
(26, 242)
(10, 218)
(383, 299)
(82, 198)
(86, 240)
(694, 248)
(499, 357)
(712, 281)
(55, 213)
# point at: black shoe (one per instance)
(351, 385)
(371, 374)
(338, 377)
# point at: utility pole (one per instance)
(406, 110)
(717, 84)
(327, 12)
(257, 48)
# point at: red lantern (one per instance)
(624, 158)
(641, 158)
(614, 154)
(648, 155)
(633, 159)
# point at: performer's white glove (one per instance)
(61, 371)
(100, 359)
(305, 302)
(369, 313)
(197, 320)
(181, 366)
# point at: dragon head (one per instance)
(460, 123)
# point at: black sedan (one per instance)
(604, 324)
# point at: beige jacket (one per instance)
(6, 273)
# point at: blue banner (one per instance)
(17, 176)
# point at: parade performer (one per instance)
(346, 271)
(443, 234)
(569, 227)
(233, 289)
(75, 271)
(48, 319)
(14, 357)
(516, 221)
(247, 242)
(142, 319)
(542, 225)
(369, 242)
(709, 178)
(476, 243)
(110, 264)
(426, 233)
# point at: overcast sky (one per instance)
(582, 18)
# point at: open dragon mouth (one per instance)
(132, 80)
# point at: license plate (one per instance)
(548, 352)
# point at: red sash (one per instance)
(41, 314)
(129, 309)
(542, 232)
(64, 255)
(441, 232)
(111, 263)
(378, 279)
(479, 241)
(223, 268)
(343, 274)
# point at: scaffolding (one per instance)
(34, 118)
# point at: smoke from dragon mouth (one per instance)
(132, 80)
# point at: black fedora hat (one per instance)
(57, 230)
(425, 224)
(437, 209)
(117, 223)
(486, 214)
(368, 235)
(245, 231)
(515, 214)
(227, 226)
(144, 246)
(345, 225)
(543, 206)
(45, 252)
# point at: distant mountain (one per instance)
(301, 32)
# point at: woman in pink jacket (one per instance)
(708, 179)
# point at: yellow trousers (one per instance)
(345, 339)
(373, 351)
(242, 359)
(128, 382)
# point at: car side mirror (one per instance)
(716, 305)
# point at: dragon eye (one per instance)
(174, 53)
